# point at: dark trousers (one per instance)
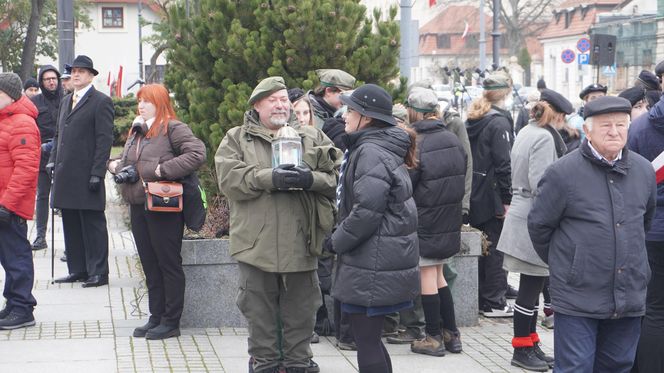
(43, 194)
(492, 277)
(372, 356)
(650, 352)
(86, 241)
(158, 237)
(280, 310)
(16, 260)
(411, 318)
(585, 345)
(343, 332)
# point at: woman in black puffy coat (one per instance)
(438, 184)
(376, 236)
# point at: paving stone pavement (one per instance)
(89, 330)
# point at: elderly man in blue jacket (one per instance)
(588, 223)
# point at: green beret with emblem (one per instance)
(336, 78)
(267, 87)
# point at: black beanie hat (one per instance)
(30, 83)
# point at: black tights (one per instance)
(372, 357)
(525, 308)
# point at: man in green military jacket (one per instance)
(279, 217)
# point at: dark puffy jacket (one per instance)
(590, 229)
(438, 188)
(322, 111)
(19, 157)
(335, 129)
(490, 143)
(47, 103)
(646, 137)
(376, 237)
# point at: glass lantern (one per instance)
(286, 147)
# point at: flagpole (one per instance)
(482, 37)
(405, 26)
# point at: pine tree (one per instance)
(218, 55)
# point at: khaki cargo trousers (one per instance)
(280, 309)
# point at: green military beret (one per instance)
(400, 113)
(267, 87)
(497, 80)
(423, 100)
(336, 78)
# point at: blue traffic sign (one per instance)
(583, 58)
(568, 56)
(583, 45)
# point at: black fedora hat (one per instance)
(84, 62)
(371, 101)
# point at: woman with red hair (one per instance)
(159, 147)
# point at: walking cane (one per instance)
(52, 245)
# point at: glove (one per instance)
(94, 184)
(281, 173)
(466, 219)
(49, 170)
(5, 215)
(304, 178)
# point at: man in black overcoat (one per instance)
(82, 145)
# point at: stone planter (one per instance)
(211, 283)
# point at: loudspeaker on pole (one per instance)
(603, 49)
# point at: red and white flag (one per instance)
(658, 165)
(465, 30)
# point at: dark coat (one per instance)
(376, 237)
(438, 189)
(490, 143)
(82, 145)
(48, 104)
(590, 229)
(335, 129)
(646, 137)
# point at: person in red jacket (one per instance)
(19, 167)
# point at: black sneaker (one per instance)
(162, 332)
(16, 320)
(542, 356)
(452, 341)
(504, 311)
(524, 357)
(347, 346)
(39, 244)
(141, 331)
(405, 337)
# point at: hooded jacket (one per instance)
(590, 230)
(646, 137)
(376, 237)
(19, 157)
(490, 143)
(276, 231)
(47, 103)
(322, 110)
(438, 189)
(453, 122)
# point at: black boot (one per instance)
(525, 358)
(542, 356)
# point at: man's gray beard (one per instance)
(278, 122)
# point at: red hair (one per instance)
(157, 95)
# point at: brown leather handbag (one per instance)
(163, 196)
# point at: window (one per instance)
(158, 76)
(472, 41)
(647, 57)
(112, 17)
(443, 41)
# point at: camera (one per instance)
(127, 174)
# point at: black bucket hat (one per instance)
(84, 62)
(371, 101)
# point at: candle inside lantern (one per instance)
(286, 147)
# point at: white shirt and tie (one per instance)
(78, 94)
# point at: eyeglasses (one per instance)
(47, 79)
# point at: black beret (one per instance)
(557, 101)
(634, 94)
(541, 84)
(659, 69)
(295, 94)
(605, 105)
(648, 80)
(592, 88)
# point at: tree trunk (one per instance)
(30, 45)
(153, 63)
